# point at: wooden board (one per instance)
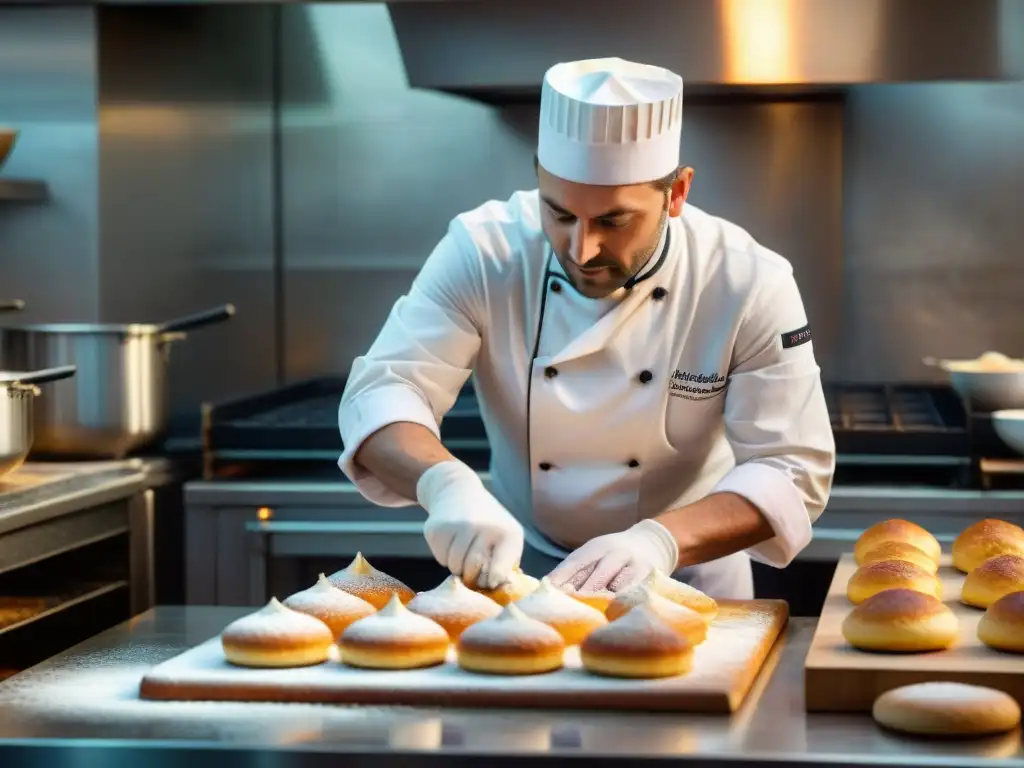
(839, 678)
(725, 667)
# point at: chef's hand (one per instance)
(616, 561)
(467, 529)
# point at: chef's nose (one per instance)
(585, 245)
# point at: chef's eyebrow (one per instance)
(606, 215)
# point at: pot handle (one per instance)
(208, 317)
(48, 374)
(11, 305)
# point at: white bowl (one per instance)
(1009, 425)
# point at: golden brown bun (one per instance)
(1002, 626)
(900, 550)
(598, 600)
(890, 574)
(640, 644)
(901, 620)
(670, 589)
(995, 578)
(334, 607)
(511, 644)
(454, 606)
(518, 586)
(946, 709)
(276, 636)
(572, 619)
(686, 621)
(394, 638)
(361, 579)
(984, 540)
(896, 530)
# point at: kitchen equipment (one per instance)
(8, 137)
(990, 382)
(725, 667)
(118, 401)
(839, 678)
(1009, 425)
(18, 392)
(11, 305)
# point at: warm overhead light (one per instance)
(759, 41)
(264, 513)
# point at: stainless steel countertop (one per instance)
(85, 702)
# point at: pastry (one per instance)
(669, 588)
(640, 644)
(334, 607)
(361, 579)
(686, 621)
(890, 574)
(896, 530)
(996, 577)
(599, 600)
(276, 636)
(986, 539)
(900, 550)
(946, 709)
(519, 585)
(454, 606)
(1002, 626)
(394, 638)
(901, 620)
(573, 619)
(511, 644)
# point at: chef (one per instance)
(644, 369)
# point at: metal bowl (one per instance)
(1009, 425)
(991, 382)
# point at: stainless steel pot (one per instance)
(117, 402)
(18, 392)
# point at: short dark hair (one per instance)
(664, 184)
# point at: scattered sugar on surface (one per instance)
(454, 599)
(359, 578)
(275, 620)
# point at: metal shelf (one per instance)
(23, 191)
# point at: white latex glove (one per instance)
(467, 529)
(616, 561)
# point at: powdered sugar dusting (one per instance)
(512, 628)
(642, 628)
(325, 596)
(361, 579)
(953, 693)
(394, 622)
(547, 603)
(454, 599)
(273, 621)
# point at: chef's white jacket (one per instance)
(700, 378)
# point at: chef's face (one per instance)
(603, 235)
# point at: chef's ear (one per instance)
(680, 189)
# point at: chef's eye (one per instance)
(564, 219)
(615, 223)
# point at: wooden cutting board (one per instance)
(725, 667)
(839, 678)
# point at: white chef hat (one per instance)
(610, 121)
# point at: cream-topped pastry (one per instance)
(334, 607)
(454, 606)
(361, 579)
(599, 600)
(518, 586)
(573, 619)
(686, 621)
(394, 638)
(276, 636)
(511, 644)
(640, 644)
(669, 588)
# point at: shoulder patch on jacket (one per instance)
(795, 338)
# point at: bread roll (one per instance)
(276, 636)
(996, 577)
(984, 540)
(334, 607)
(572, 619)
(896, 530)
(946, 709)
(454, 606)
(511, 644)
(901, 621)
(638, 645)
(394, 638)
(1002, 626)
(361, 579)
(890, 574)
(900, 550)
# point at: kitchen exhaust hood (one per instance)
(495, 49)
